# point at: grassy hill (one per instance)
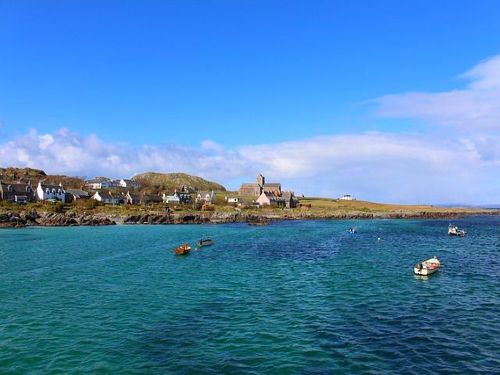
(21, 174)
(155, 182)
(35, 175)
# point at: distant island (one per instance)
(30, 197)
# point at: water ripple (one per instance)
(294, 297)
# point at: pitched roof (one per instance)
(45, 186)
(273, 197)
(105, 194)
(272, 185)
(77, 192)
(98, 180)
(16, 187)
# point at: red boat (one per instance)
(184, 249)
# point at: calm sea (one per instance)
(292, 297)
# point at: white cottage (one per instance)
(46, 192)
(206, 197)
(233, 200)
(131, 184)
(174, 199)
(346, 197)
(101, 183)
(106, 197)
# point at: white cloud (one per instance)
(473, 108)
(375, 166)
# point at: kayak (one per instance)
(427, 267)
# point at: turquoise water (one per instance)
(293, 297)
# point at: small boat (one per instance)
(184, 249)
(427, 267)
(204, 242)
(352, 230)
(454, 231)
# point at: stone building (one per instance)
(16, 192)
(260, 186)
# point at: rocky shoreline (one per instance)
(46, 219)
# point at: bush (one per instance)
(91, 204)
(57, 207)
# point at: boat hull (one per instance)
(205, 243)
(427, 267)
(424, 271)
(183, 250)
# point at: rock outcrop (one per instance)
(33, 218)
(46, 219)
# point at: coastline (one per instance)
(48, 219)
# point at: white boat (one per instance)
(427, 267)
(454, 231)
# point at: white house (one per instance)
(233, 200)
(126, 183)
(206, 196)
(175, 199)
(106, 197)
(100, 183)
(346, 197)
(50, 192)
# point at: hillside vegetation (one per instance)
(21, 174)
(35, 175)
(156, 182)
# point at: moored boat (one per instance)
(184, 249)
(204, 242)
(427, 267)
(454, 231)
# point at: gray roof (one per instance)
(98, 180)
(45, 186)
(77, 192)
(16, 187)
(273, 197)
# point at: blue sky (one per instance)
(216, 78)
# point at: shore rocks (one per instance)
(46, 219)
(33, 218)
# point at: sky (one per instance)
(393, 101)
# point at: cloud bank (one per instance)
(477, 107)
(375, 166)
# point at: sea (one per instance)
(294, 297)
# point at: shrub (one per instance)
(91, 204)
(57, 207)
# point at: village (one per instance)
(106, 191)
